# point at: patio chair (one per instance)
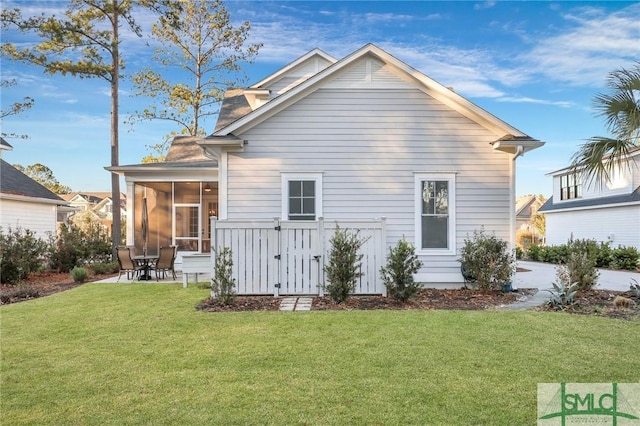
(166, 260)
(127, 264)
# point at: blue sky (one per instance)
(535, 65)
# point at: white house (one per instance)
(366, 142)
(608, 212)
(24, 203)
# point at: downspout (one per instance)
(512, 232)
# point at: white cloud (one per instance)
(524, 99)
(595, 45)
(485, 5)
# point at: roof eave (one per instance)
(518, 146)
(213, 146)
(26, 198)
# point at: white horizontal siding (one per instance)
(622, 223)
(368, 144)
(37, 217)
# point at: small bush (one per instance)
(397, 275)
(79, 274)
(223, 284)
(18, 293)
(582, 271)
(626, 258)
(534, 253)
(21, 253)
(75, 246)
(519, 253)
(604, 256)
(343, 269)
(488, 260)
(555, 254)
(563, 293)
(104, 268)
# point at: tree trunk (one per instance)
(115, 178)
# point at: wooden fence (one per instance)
(288, 257)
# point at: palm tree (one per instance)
(599, 156)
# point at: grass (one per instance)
(141, 354)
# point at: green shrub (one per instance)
(555, 254)
(76, 246)
(487, 259)
(343, 269)
(534, 253)
(104, 268)
(604, 256)
(625, 258)
(21, 253)
(223, 284)
(519, 253)
(397, 275)
(586, 246)
(79, 274)
(582, 271)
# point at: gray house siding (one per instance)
(368, 143)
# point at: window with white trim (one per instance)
(570, 187)
(435, 213)
(301, 196)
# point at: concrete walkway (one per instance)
(296, 304)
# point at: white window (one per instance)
(435, 213)
(301, 196)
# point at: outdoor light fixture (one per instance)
(207, 188)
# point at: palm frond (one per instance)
(599, 157)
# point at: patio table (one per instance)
(145, 261)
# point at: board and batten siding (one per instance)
(620, 226)
(39, 218)
(368, 144)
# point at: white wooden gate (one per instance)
(288, 257)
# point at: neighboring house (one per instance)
(26, 204)
(608, 212)
(527, 207)
(98, 204)
(324, 141)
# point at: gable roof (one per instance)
(5, 145)
(307, 56)
(508, 137)
(15, 184)
(525, 201)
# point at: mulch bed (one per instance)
(41, 285)
(602, 303)
(460, 299)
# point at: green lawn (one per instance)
(141, 354)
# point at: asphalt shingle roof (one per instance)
(14, 182)
(592, 202)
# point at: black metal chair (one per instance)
(126, 263)
(165, 263)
